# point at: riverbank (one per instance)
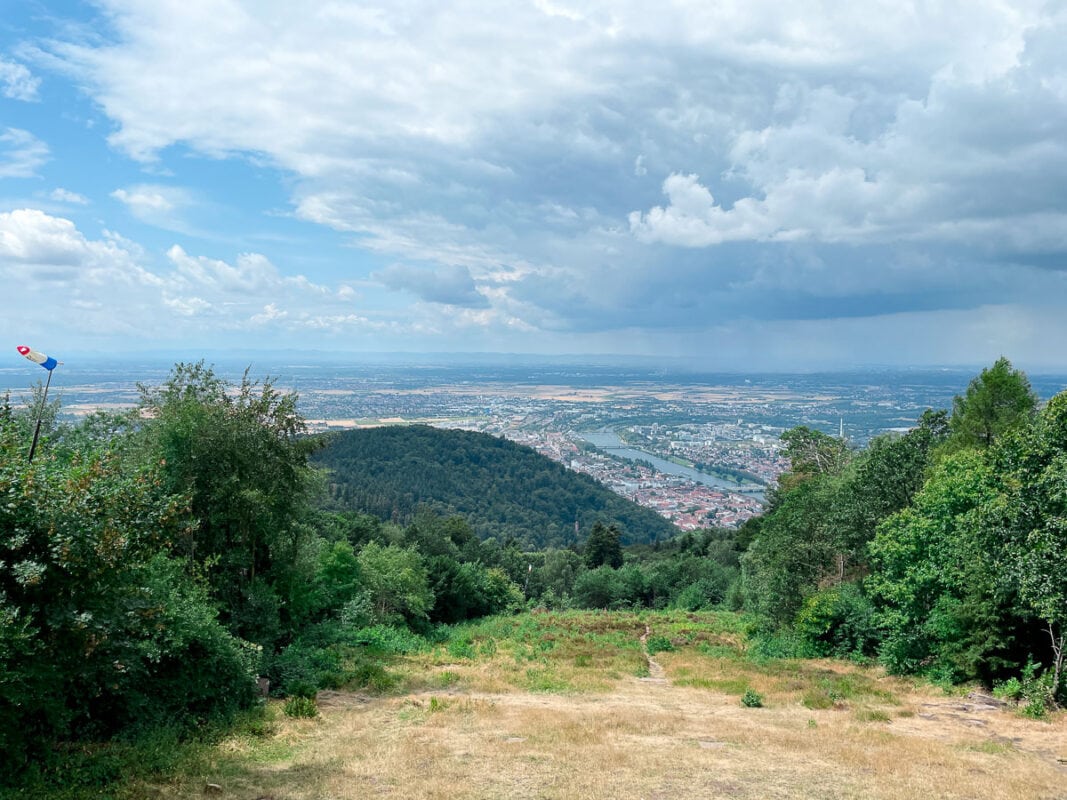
(609, 442)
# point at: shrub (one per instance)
(752, 699)
(707, 592)
(1031, 690)
(301, 707)
(387, 639)
(817, 698)
(370, 675)
(461, 646)
(599, 588)
(837, 622)
(659, 644)
(1010, 690)
(306, 666)
(1034, 691)
(447, 678)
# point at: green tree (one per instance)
(880, 481)
(102, 630)
(599, 588)
(397, 582)
(797, 547)
(239, 454)
(811, 453)
(336, 580)
(942, 594)
(998, 400)
(1032, 518)
(557, 575)
(826, 510)
(602, 547)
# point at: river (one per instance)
(608, 441)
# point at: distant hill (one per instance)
(504, 489)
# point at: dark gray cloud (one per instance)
(448, 285)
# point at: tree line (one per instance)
(941, 552)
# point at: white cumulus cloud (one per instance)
(62, 195)
(108, 286)
(17, 82)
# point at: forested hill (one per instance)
(504, 489)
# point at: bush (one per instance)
(768, 645)
(387, 639)
(301, 707)
(306, 666)
(837, 622)
(692, 598)
(1030, 689)
(599, 588)
(659, 644)
(707, 592)
(1010, 690)
(461, 647)
(329, 656)
(100, 633)
(752, 699)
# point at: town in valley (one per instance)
(702, 450)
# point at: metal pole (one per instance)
(40, 414)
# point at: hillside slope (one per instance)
(504, 489)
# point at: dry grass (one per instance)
(490, 725)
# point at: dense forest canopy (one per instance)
(505, 490)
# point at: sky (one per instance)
(745, 184)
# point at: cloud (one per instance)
(966, 162)
(187, 306)
(49, 246)
(837, 205)
(146, 199)
(618, 171)
(21, 153)
(694, 220)
(61, 195)
(156, 204)
(17, 82)
(448, 285)
(109, 286)
(64, 285)
(251, 274)
(270, 313)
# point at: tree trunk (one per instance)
(1057, 659)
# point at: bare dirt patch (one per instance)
(679, 733)
(648, 740)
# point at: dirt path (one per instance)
(656, 674)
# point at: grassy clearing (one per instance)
(553, 706)
(558, 653)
